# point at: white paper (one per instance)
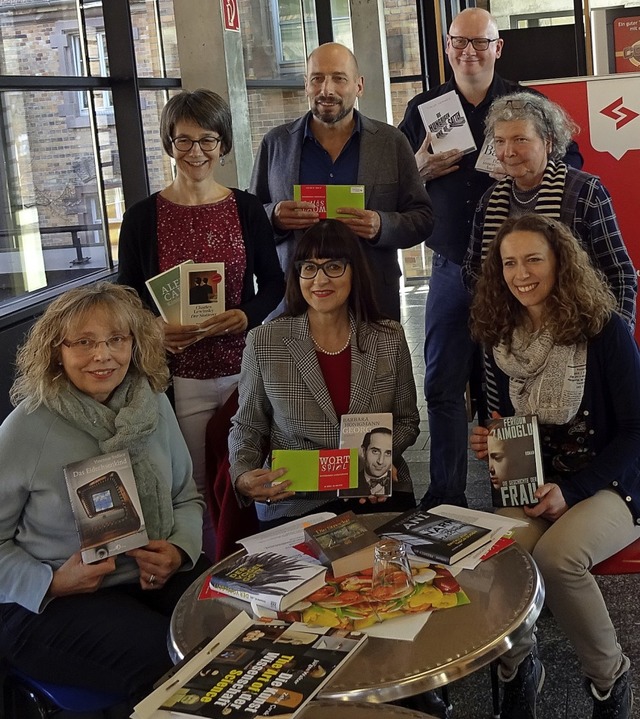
(444, 118)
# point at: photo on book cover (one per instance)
(372, 435)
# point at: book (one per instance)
(434, 537)
(342, 543)
(268, 579)
(352, 603)
(487, 160)
(372, 435)
(444, 118)
(328, 198)
(318, 470)
(105, 504)
(164, 289)
(201, 291)
(253, 670)
(515, 460)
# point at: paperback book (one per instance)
(202, 291)
(268, 579)
(105, 504)
(372, 435)
(439, 539)
(487, 160)
(253, 670)
(342, 543)
(165, 292)
(318, 470)
(326, 199)
(444, 118)
(515, 460)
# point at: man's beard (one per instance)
(326, 116)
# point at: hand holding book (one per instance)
(292, 215)
(432, 165)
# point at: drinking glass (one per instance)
(392, 576)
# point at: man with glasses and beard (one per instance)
(334, 144)
(455, 187)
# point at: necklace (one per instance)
(332, 354)
(519, 200)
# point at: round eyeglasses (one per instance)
(86, 345)
(479, 43)
(207, 144)
(308, 269)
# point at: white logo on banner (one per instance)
(614, 115)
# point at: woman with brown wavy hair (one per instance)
(560, 351)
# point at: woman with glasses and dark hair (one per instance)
(531, 135)
(90, 381)
(331, 354)
(197, 218)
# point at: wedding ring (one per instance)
(152, 579)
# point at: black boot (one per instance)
(617, 704)
(429, 703)
(521, 691)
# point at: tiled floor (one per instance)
(563, 696)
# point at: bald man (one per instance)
(334, 144)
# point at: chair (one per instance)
(24, 695)
(626, 561)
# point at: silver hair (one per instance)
(550, 121)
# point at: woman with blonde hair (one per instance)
(90, 381)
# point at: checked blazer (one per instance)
(284, 402)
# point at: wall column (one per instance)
(211, 57)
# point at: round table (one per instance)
(506, 595)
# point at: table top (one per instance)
(506, 595)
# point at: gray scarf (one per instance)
(126, 422)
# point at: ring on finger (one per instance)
(152, 579)
(268, 500)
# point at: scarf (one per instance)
(548, 203)
(126, 422)
(545, 379)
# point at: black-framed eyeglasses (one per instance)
(87, 345)
(479, 43)
(527, 106)
(308, 269)
(207, 144)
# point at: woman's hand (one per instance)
(264, 485)
(231, 322)
(177, 337)
(551, 504)
(157, 561)
(75, 577)
(478, 439)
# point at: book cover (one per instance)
(487, 160)
(269, 579)
(105, 504)
(444, 118)
(351, 603)
(342, 543)
(253, 670)
(515, 460)
(165, 292)
(318, 470)
(328, 198)
(439, 539)
(202, 291)
(372, 435)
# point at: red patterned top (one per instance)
(336, 370)
(205, 233)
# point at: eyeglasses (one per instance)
(86, 346)
(308, 269)
(207, 144)
(519, 106)
(479, 43)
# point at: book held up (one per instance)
(164, 289)
(444, 118)
(201, 291)
(318, 470)
(326, 199)
(515, 460)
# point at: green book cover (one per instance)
(318, 470)
(165, 291)
(328, 198)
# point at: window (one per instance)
(102, 98)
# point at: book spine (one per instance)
(267, 601)
(431, 554)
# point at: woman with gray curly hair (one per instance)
(90, 381)
(531, 134)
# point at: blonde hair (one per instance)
(39, 375)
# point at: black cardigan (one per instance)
(138, 254)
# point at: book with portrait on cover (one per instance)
(372, 435)
(105, 504)
(515, 460)
(265, 669)
(444, 118)
(201, 291)
(270, 580)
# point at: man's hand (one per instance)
(291, 215)
(365, 223)
(432, 165)
(75, 577)
(157, 561)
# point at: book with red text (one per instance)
(328, 198)
(318, 470)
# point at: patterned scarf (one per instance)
(126, 422)
(544, 378)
